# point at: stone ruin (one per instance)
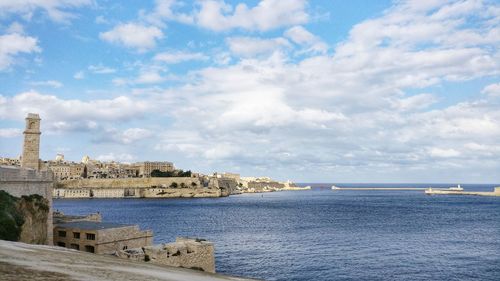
(190, 253)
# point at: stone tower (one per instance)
(31, 146)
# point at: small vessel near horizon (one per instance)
(335, 187)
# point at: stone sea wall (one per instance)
(173, 187)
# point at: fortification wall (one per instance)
(135, 188)
(22, 181)
(127, 182)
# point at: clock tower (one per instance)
(31, 145)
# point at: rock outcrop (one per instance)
(23, 219)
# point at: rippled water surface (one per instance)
(325, 235)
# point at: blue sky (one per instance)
(318, 91)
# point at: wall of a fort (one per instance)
(127, 182)
(115, 239)
(20, 181)
(185, 253)
(136, 188)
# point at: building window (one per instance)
(75, 246)
(76, 235)
(90, 236)
(61, 244)
(62, 233)
(89, 249)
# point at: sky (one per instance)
(311, 91)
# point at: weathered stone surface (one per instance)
(35, 211)
(19, 181)
(46, 263)
(184, 252)
(23, 219)
(173, 187)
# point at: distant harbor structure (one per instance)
(454, 190)
(334, 188)
(458, 190)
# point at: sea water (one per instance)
(327, 235)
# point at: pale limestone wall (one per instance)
(31, 144)
(108, 193)
(108, 241)
(115, 239)
(185, 252)
(20, 181)
(178, 192)
(138, 188)
(127, 182)
(71, 193)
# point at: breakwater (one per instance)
(437, 191)
(379, 188)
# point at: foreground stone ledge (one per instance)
(19, 261)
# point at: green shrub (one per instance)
(11, 219)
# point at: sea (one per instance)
(322, 234)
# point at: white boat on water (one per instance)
(335, 187)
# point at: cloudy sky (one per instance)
(313, 91)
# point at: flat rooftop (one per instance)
(92, 225)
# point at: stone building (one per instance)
(100, 237)
(28, 179)
(145, 168)
(31, 145)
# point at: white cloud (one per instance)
(57, 10)
(15, 27)
(443, 152)
(164, 11)
(128, 136)
(119, 157)
(266, 15)
(133, 35)
(101, 20)
(150, 77)
(271, 112)
(66, 115)
(302, 36)
(119, 81)
(134, 134)
(249, 46)
(79, 75)
(178, 56)
(48, 83)
(492, 90)
(13, 44)
(101, 69)
(10, 133)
